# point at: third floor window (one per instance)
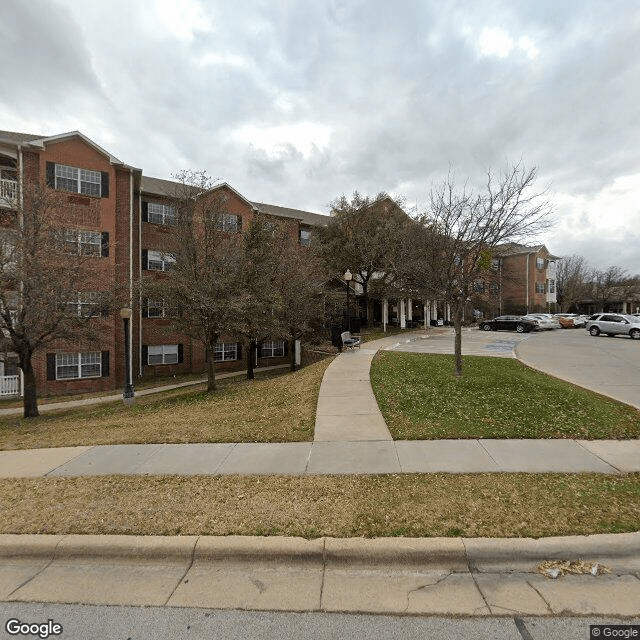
(77, 180)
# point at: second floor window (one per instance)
(160, 261)
(87, 243)
(156, 308)
(86, 304)
(552, 286)
(478, 286)
(540, 287)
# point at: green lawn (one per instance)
(496, 398)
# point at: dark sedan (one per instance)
(509, 323)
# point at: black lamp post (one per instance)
(347, 278)
(128, 394)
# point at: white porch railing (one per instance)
(9, 385)
(8, 192)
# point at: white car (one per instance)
(545, 320)
(612, 324)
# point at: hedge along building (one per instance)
(123, 220)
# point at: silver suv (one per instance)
(611, 324)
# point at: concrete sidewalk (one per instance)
(323, 458)
(452, 576)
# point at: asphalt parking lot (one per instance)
(607, 365)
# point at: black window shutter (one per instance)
(104, 186)
(239, 352)
(145, 307)
(51, 178)
(104, 244)
(260, 355)
(105, 364)
(286, 347)
(239, 224)
(145, 259)
(145, 354)
(104, 312)
(180, 353)
(145, 211)
(51, 366)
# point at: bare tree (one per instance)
(300, 292)
(612, 283)
(207, 273)
(451, 247)
(572, 279)
(45, 269)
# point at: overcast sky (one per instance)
(296, 102)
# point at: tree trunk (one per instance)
(211, 366)
(29, 393)
(457, 323)
(251, 357)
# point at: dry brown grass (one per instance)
(275, 407)
(500, 505)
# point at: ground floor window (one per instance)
(272, 349)
(162, 354)
(78, 365)
(226, 351)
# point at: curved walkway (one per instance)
(351, 437)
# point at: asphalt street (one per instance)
(87, 622)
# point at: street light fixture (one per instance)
(128, 394)
(347, 277)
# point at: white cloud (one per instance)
(303, 136)
(181, 19)
(494, 41)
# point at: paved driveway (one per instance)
(610, 366)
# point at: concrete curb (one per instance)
(452, 554)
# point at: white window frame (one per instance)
(230, 222)
(161, 261)
(161, 213)
(85, 304)
(305, 237)
(161, 310)
(77, 180)
(86, 243)
(272, 349)
(540, 263)
(79, 365)
(478, 286)
(162, 354)
(226, 351)
(540, 287)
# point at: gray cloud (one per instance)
(391, 95)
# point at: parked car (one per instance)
(612, 324)
(570, 320)
(521, 324)
(545, 320)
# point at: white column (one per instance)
(409, 309)
(297, 355)
(385, 314)
(448, 312)
(403, 315)
(624, 308)
(424, 313)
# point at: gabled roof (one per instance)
(306, 217)
(40, 141)
(167, 188)
(513, 248)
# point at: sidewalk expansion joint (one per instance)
(595, 455)
(35, 575)
(475, 582)
(46, 475)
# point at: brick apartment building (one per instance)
(127, 217)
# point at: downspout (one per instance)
(131, 269)
(527, 288)
(20, 222)
(140, 363)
